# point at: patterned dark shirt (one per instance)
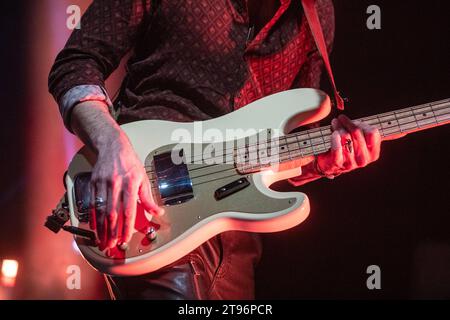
(191, 59)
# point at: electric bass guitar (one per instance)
(215, 176)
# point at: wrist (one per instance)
(111, 140)
(93, 124)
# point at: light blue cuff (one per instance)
(80, 94)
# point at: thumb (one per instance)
(147, 200)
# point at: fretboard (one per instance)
(391, 125)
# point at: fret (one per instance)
(438, 111)
(326, 131)
(283, 158)
(314, 133)
(299, 146)
(308, 151)
(415, 118)
(406, 120)
(285, 152)
(408, 125)
(379, 125)
(297, 153)
(327, 139)
(396, 120)
(441, 112)
(388, 121)
(425, 105)
(292, 146)
(439, 106)
(391, 131)
(310, 143)
(292, 142)
(303, 139)
(317, 141)
(442, 117)
(284, 148)
(318, 149)
(321, 148)
(426, 121)
(373, 121)
(316, 137)
(434, 115)
(327, 146)
(422, 112)
(424, 116)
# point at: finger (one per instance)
(146, 198)
(112, 215)
(373, 139)
(335, 125)
(100, 213)
(361, 153)
(130, 198)
(348, 157)
(346, 123)
(362, 156)
(336, 149)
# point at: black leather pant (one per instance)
(222, 268)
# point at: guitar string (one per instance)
(324, 147)
(317, 130)
(312, 145)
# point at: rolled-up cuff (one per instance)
(80, 94)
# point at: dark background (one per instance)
(12, 125)
(394, 214)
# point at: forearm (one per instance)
(94, 125)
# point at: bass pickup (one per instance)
(231, 188)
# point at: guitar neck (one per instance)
(399, 123)
(392, 125)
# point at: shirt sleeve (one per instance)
(108, 30)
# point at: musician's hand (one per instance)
(120, 179)
(353, 145)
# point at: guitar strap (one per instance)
(316, 30)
